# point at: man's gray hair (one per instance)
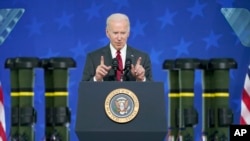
(117, 16)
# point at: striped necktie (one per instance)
(119, 71)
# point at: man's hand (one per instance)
(101, 70)
(138, 71)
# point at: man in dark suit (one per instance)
(129, 64)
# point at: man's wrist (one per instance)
(95, 80)
(143, 80)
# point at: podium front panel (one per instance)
(93, 124)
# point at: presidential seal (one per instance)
(121, 105)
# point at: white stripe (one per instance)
(247, 85)
(2, 116)
(245, 113)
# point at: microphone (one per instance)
(128, 63)
(127, 68)
(115, 64)
(114, 67)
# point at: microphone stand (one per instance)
(124, 76)
(126, 69)
(115, 67)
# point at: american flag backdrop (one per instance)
(165, 29)
(2, 117)
(245, 101)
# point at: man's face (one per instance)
(118, 33)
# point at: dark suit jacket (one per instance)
(93, 60)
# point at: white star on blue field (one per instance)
(196, 10)
(64, 20)
(79, 50)
(167, 18)
(138, 29)
(212, 40)
(93, 11)
(154, 55)
(35, 27)
(182, 48)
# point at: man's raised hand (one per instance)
(138, 71)
(101, 70)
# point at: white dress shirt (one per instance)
(123, 53)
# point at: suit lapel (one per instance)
(130, 54)
(108, 62)
(107, 56)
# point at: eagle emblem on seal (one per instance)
(122, 105)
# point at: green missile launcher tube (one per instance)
(14, 130)
(27, 113)
(173, 98)
(23, 112)
(208, 116)
(57, 111)
(188, 116)
(220, 85)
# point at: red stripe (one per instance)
(246, 99)
(242, 121)
(2, 133)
